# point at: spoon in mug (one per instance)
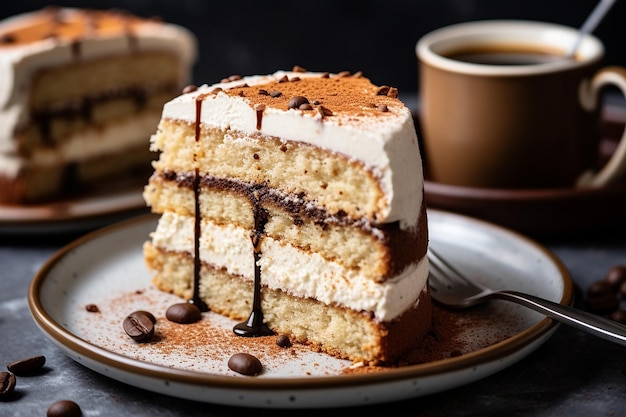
(597, 14)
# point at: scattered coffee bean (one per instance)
(618, 316)
(599, 288)
(245, 364)
(64, 408)
(616, 276)
(605, 296)
(139, 326)
(27, 366)
(183, 313)
(147, 313)
(283, 341)
(296, 101)
(7, 384)
(92, 308)
(602, 304)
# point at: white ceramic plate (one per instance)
(106, 268)
(95, 209)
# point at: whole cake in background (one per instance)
(81, 91)
(293, 202)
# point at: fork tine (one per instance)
(444, 271)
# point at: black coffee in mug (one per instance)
(504, 55)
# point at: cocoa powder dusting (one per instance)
(206, 346)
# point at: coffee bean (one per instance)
(603, 304)
(147, 313)
(283, 341)
(616, 276)
(183, 313)
(296, 101)
(245, 364)
(7, 384)
(139, 326)
(27, 366)
(64, 408)
(618, 316)
(598, 288)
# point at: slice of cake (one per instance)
(81, 91)
(294, 203)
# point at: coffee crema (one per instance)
(503, 55)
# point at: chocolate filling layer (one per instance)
(408, 246)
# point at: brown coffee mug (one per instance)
(503, 106)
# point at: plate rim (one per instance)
(492, 353)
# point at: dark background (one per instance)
(376, 37)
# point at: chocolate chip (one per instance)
(183, 313)
(92, 308)
(297, 101)
(64, 408)
(263, 92)
(383, 108)
(298, 68)
(231, 78)
(245, 364)
(324, 111)
(283, 341)
(189, 89)
(305, 106)
(139, 326)
(27, 366)
(275, 94)
(7, 38)
(382, 90)
(7, 384)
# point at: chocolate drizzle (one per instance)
(254, 326)
(197, 266)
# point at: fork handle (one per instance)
(582, 320)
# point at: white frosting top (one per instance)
(348, 115)
(33, 41)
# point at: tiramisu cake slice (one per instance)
(293, 203)
(81, 91)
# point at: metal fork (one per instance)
(451, 288)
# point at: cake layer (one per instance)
(292, 269)
(333, 329)
(379, 251)
(69, 179)
(351, 147)
(331, 180)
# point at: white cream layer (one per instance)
(110, 139)
(387, 145)
(291, 270)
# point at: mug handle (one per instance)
(588, 95)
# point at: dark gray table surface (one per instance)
(572, 374)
